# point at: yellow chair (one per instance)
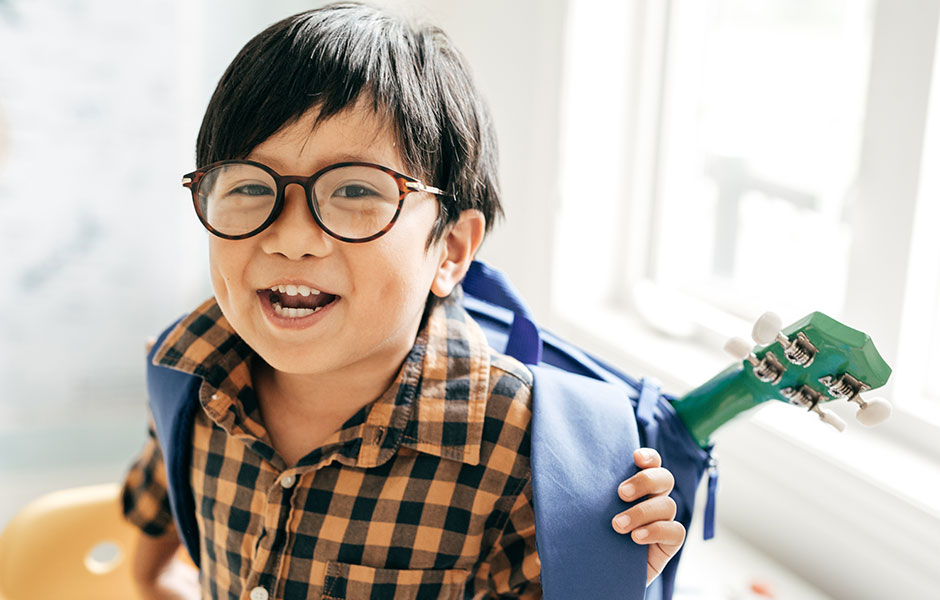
(68, 545)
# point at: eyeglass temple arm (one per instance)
(420, 187)
(414, 185)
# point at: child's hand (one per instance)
(651, 520)
(178, 581)
(158, 572)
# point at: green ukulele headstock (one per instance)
(821, 360)
(813, 361)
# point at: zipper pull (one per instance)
(709, 528)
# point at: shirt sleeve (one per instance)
(145, 498)
(514, 566)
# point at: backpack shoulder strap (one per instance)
(173, 400)
(583, 433)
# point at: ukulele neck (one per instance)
(720, 399)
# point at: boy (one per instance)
(357, 437)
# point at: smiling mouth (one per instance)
(293, 302)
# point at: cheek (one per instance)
(395, 281)
(224, 261)
(401, 276)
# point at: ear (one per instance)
(458, 247)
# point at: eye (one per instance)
(354, 190)
(252, 189)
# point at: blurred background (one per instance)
(671, 169)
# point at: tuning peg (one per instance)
(739, 348)
(766, 328)
(872, 411)
(829, 418)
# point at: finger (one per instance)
(150, 342)
(645, 483)
(646, 458)
(666, 534)
(660, 553)
(658, 508)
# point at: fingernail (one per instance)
(622, 522)
(627, 490)
(641, 534)
(644, 454)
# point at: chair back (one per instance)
(72, 543)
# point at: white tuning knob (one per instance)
(873, 411)
(830, 418)
(739, 348)
(766, 328)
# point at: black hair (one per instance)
(331, 57)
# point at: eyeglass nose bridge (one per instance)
(285, 180)
(306, 183)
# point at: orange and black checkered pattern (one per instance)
(424, 493)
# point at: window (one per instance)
(724, 157)
(761, 114)
(728, 156)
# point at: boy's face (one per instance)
(380, 286)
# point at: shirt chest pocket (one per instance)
(357, 582)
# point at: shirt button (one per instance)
(259, 593)
(286, 483)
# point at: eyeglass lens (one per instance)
(351, 201)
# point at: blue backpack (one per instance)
(587, 420)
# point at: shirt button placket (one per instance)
(286, 482)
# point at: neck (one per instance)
(335, 393)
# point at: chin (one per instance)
(292, 361)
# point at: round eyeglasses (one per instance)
(351, 201)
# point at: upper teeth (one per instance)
(293, 290)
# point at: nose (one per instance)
(295, 234)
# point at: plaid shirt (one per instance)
(424, 493)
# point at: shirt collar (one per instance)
(436, 404)
(454, 385)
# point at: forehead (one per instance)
(306, 145)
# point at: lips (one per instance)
(296, 301)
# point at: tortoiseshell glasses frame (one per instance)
(405, 184)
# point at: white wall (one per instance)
(516, 52)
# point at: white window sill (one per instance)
(729, 567)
